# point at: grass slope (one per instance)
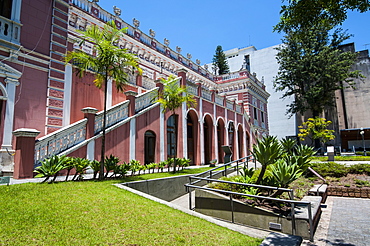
(98, 213)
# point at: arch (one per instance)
(149, 147)
(208, 115)
(192, 134)
(4, 93)
(208, 138)
(231, 136)
(171, 136)
(240, 141)
(220, 138)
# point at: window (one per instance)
(149, 148)
(255, 113)
(262, 117)
(171, 137)
(247, 62)
(6, 8)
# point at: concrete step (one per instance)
(279, 239)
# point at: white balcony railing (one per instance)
(59, 141)
(146, 99)
(115, 114)
(10, 30)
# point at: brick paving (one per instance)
(349, 222)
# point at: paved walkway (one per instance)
(345, 221)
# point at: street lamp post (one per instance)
(362, 132)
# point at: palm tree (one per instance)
(171, 98)
(109, 62)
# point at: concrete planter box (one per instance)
(167, 189)
(219, 206)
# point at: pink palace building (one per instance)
(46, 109)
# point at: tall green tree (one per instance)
(171, 98)
(109, 62)
(300, 14)
(219, 61)
(312, 68)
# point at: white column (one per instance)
(215, 139)
(201, 131)
(133, 139)
(11, 85)
(90, 155)
(16, 10)
(245, 149)
(67, 95)
(161, 135)
(236, 138)
(109, 94)
(184, 130)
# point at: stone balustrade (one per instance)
(59, 141)
(9, 30)
(115, 114)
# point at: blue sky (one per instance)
(199, 26)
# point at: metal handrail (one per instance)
(292, 202)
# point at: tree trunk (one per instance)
(262, 173)
(317, 141)
(176, 130)
(101, 173)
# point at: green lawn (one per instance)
(98, 213)
(342, 158)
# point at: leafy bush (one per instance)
(360, 169)
(110, 163)
(134, 166)
(95, 166)
(284, 173)
(80, 165)
(331, 169)
(50, 167)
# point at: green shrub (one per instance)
(80, 165)
(331, 169)
(110, 163)
(360, 169)
(50, 167)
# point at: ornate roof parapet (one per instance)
(133, 30)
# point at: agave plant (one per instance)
(161, 165)
(267, 151)
(151, 166)
(110, 164)
(142, 168)
(182, 162)
(134, 166)
(288, 145)
(50, 167)
(80, 164)
(68, 164)
(95, 166)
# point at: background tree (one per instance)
(316, 128)
(219, 61)
(312, 68)
(171, 98)
(109, 62)
(300, 14)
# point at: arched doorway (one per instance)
(220, 139)
(192, 133)
(231, 135)
(208, 139)
(171, 137)
(149, 147)
(240, 142)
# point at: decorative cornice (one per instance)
(26, 132)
